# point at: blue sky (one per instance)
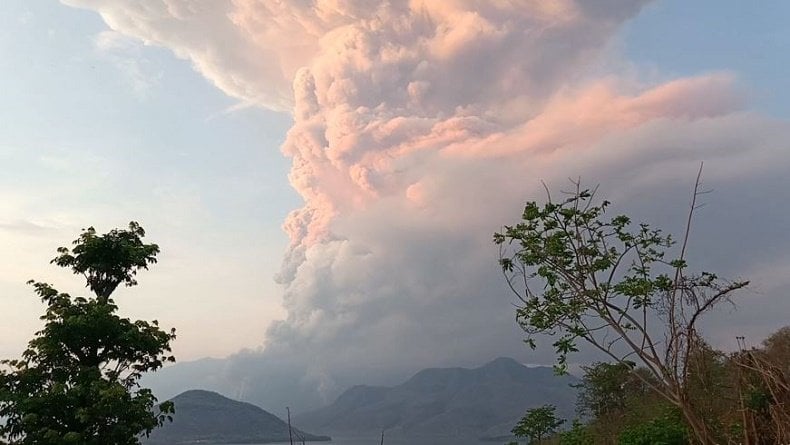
(92, 136)
(97, 129)
(750, 39)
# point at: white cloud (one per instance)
(420, 128)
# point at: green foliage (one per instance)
(742, 397)
(110, 259)
(584, 276)
(614, 390)
(602, 389)
(614, 396)
(667, 429)
(538, 423)
(581, 275)
(78, 380)
(579, 434)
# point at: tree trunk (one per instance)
(699, 430)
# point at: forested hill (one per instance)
(485, 401)
(208, 417)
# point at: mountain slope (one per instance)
(208, 417)
(485, 401)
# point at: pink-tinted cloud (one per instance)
(419, 128)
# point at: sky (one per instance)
(323, 177)
(98, 130)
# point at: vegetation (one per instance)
(628, 291)
(78, 380)
(578, 434)
(538, 424)
(743, 397)
(667, 429)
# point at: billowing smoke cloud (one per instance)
(420, 127)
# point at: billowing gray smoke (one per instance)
(420, 127)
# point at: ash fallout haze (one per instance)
(417, 128)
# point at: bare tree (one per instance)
(763, 394)
(581, 276)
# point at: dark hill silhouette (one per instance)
(485, 401)
(208, 417)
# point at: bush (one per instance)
(579, 434)
(667, 429)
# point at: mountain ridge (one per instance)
(208, 417)
(483, 401)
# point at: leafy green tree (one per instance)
(538, 423)
(108, 260)
(78, 380)
(583, 276)
(602, 390)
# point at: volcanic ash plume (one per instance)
(419, 128)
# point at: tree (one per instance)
(667, 429)
(602, 391)
(538, 423)
(612, 397)
(78, 380)
(777, 349)
(763, 391)
(579, 434)
(108, 260)
(586, 277)
(743, 397)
